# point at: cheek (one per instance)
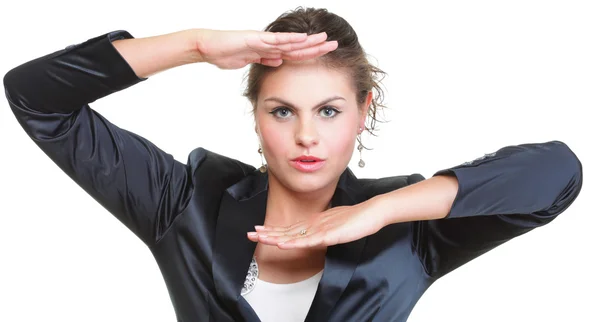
(339, 140)
(274, 140)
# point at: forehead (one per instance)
(298, 80)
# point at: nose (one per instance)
(307, 134)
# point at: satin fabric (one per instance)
(194, 216)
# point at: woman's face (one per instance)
(307, 120)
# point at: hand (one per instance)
(236, 49)
(334, 226)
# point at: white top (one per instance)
(283, 302)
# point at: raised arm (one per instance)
(137, 182)
(144, 187)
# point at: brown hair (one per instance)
(349, 56)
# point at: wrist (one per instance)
(383, 210)
(193, 44)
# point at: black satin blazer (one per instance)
(194, 217)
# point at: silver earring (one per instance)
(262, 168)
(361, 163)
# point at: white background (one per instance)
(465, 78)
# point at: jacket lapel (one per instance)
(341, 260)
(244, 205)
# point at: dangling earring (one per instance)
(263, 168)
(361, 163)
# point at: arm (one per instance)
(152, 55)
(144, 187)
(465, 211)
(137, 182)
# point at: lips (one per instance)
(307, 158)
(307, 163)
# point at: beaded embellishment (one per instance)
(251, 277)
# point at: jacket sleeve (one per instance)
(500, 196)
(138, 183)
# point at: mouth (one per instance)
(307, 163)
(307, 158)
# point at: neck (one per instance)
(286, 207)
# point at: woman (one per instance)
(300, 238)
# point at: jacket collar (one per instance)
(242, 207)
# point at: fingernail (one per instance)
(258, 227)
(252, 233)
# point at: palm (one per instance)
(236, 49)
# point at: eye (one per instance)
(328, 112)
(281, 112)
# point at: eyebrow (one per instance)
(325, 101)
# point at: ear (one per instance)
(364, 110)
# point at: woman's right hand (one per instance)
(235, 49)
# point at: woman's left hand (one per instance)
(334, 226)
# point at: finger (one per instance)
(310, 41)
(271, 62)
(271, 238)
(302, 242)
(267, 228)
(273, 233)
(273, 241)
(285, 233)
(312, 52)
(270, 228)
(296, 230)
(276, 38)
(268, 54)
(253, 236)
(274, 237)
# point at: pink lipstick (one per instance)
(307, 163)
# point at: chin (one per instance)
(309, 182)
(306, 185)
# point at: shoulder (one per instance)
(209, 165)
(376, 186)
